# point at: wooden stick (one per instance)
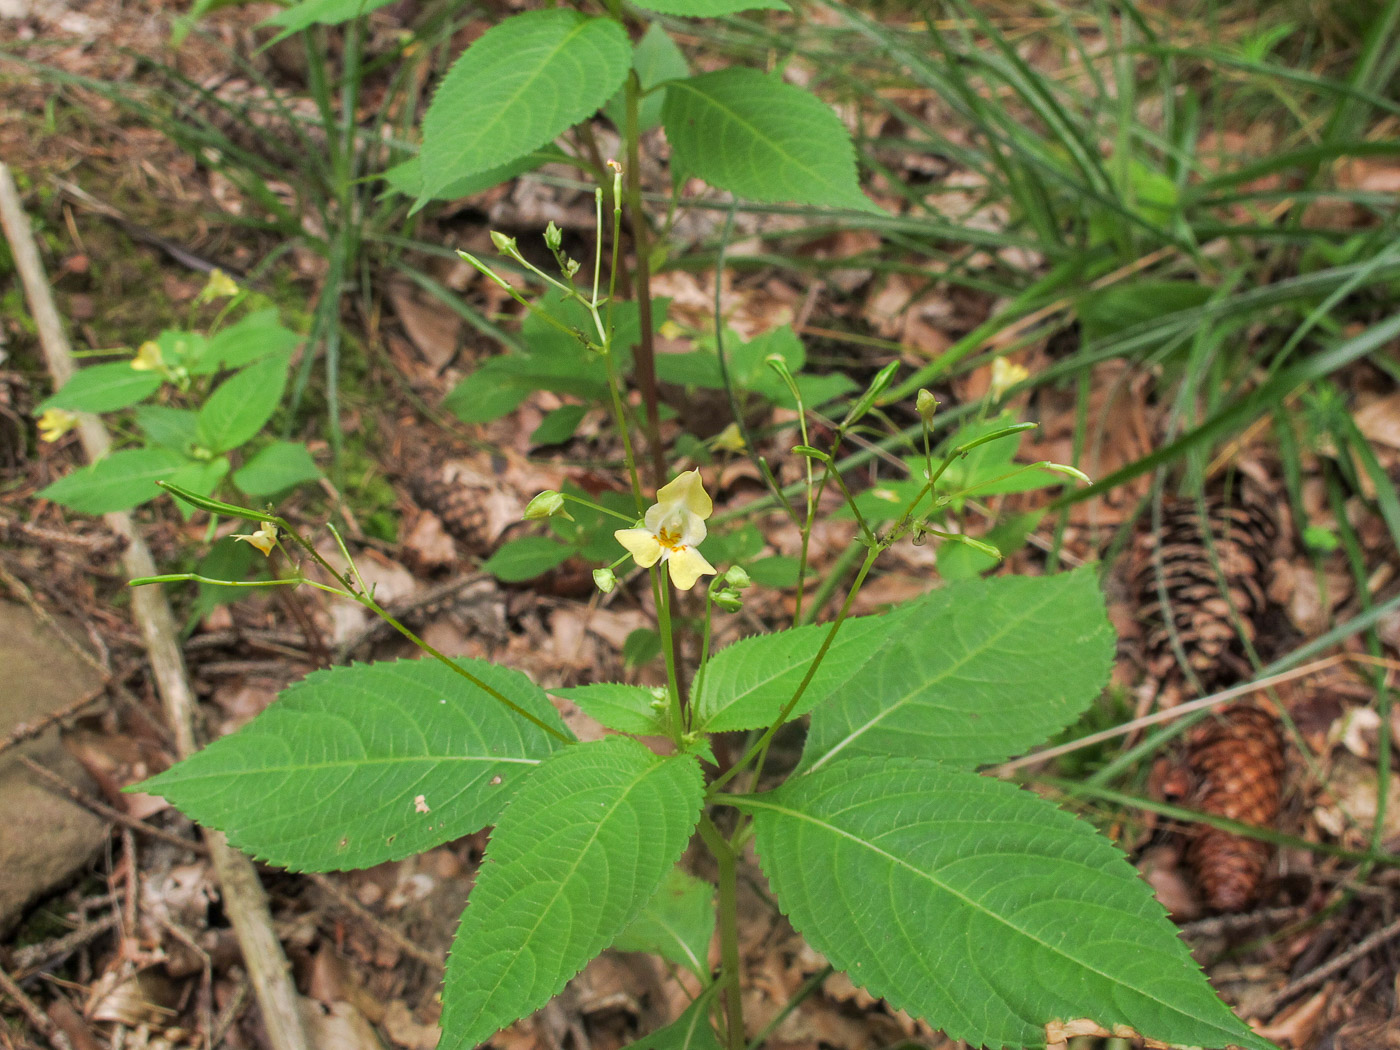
(243, 895)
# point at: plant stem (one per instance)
(661, 595)
(645, 360)
(374, 607)
(760, 748)
(728, 918)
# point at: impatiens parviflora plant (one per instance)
(198, 402)
(964, 900)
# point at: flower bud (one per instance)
(553, 236)
(547, 504)
(505, 245)
(926, 405)
(729, 600)
(605, 580)
(737, 578)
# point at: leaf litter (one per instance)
(1278, 961)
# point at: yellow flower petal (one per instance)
(641, 544)
(687, 488)
(219, 286)
(55, 422)
(264, 539)
(688, 565)
(148, 358)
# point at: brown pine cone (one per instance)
(461, 503)
(1234, 765)
(1208, 593)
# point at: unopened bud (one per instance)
(926, 405)
(605, 580)
(553, 236)
(1066, 469)
(505, 245)
(729, 600)
(545, 505)
(737, 578)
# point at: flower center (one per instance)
(670, 537)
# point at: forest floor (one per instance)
(121, 940)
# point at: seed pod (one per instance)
(1234, 765)
(1205, 579)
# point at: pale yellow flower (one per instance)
(219, 286)
(148, 358)
(55, 422)
(674, 527)
(730, 439)
(1005, 375)
(264, 539)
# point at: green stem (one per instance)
(374, 607)
(835, 574)
(728, 918)
(661, 596)
(645, 359)
(760, 748)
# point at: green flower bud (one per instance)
(545, 505)
(605, 580)
(738, 578)
(729, 600)
(553, 236)
(505, 245)
(926, 405)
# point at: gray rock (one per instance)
(44, 839)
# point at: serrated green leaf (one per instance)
(242, 404)
(641, 647)
(117, 482)
(524, 82)
(319, 12)
(358, 765)
(978, 906)
(574, 858)
(676, 924)
(407, 178)
(776, 570)
(626, 708)
(979, 670)
(171, 427)
(104, 388)
(518, 560)
(275, 468)
(746, 684)
(259, 334)
(690, 1031)
(755, 136)
(559, 425)
(657, 59)
(710, 8)
(180, 348)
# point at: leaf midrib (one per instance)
(346, 763)
(824, 180)
(1006, 628)
(497, 119)
(756, 803)
(583, 852)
